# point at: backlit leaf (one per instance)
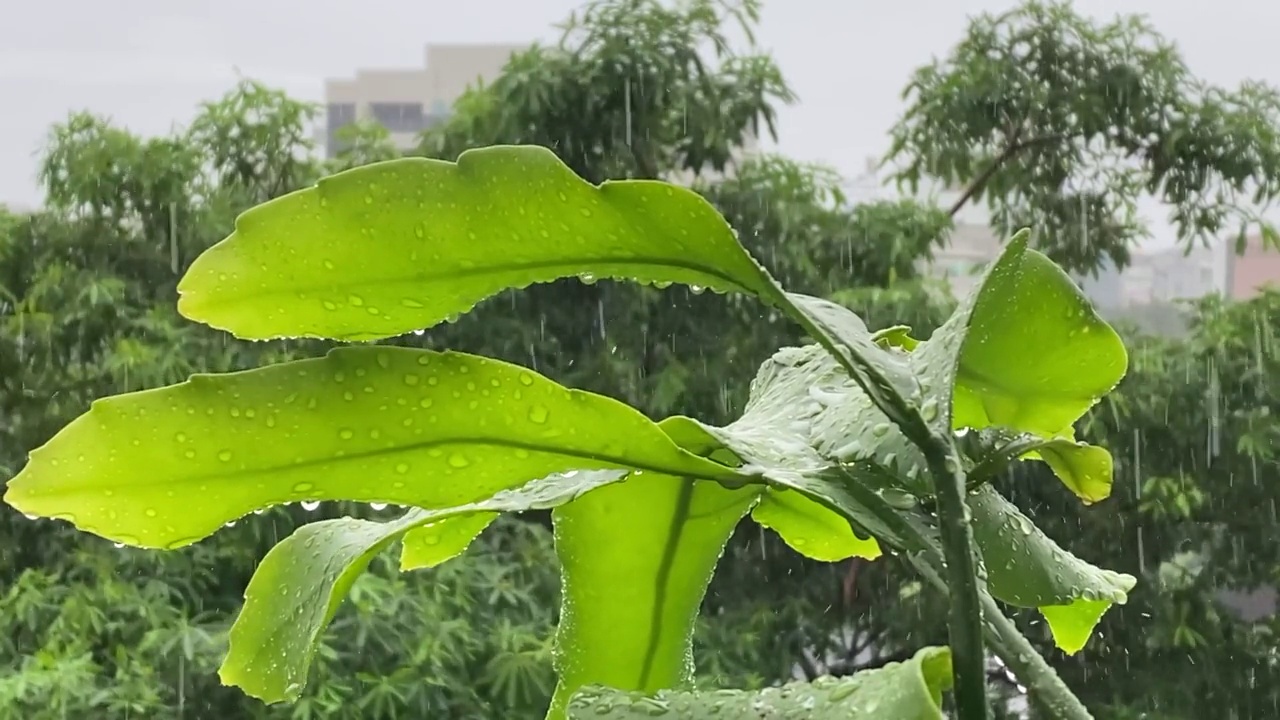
(911, 690)
(300, 583)
(1036, 355)
(167, 467)
(1027, 569)
(811, 528)
(391, 247)
(636, 560)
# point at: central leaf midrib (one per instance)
(675, 531)
(579, 267)
(514, 445)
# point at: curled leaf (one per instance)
(910, 690)
(1027, 569)
(302, 581)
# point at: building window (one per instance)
(338, 116)
(399, 117)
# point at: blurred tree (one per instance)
(87, 298)
(1062, 123)
(636, 88)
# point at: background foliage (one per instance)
(639, 89)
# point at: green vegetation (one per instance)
(96, 631)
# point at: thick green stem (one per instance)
(1022, 659)
(964, 623)
(1029, 666)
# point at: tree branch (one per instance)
(1014, 147)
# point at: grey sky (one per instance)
(147, 63)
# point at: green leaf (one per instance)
(806, 525)
(911, 690)
(811, 528)
(1036, 355)
(1027, 569)
(1085, 470)
(369, 424)
(391, 247)
(434, 543)
(636, 560)
(300, 583)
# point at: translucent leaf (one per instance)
(436, 542)
(810, 528)
(911, 690)
(391, 247)
(1084, 469)
(1037, 356)
(167, 467)
(1027, 569)
(635, 566)
(636, 560)
(300, 583)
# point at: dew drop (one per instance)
(224, 456)
(302, 487)
(458, 460)
(538, 414)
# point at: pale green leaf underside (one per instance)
(636, 559)
(899, 691)
(1027, 569)
(1086, 470)
(167, 467)
(300, 583)
(391, 247)
(810, 528)
(429, 545)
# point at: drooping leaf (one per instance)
(1027, 569)
(301, 582)
(911, 690)
(391, 247)
(431, 544)
(1085, 470)
(636, 560)
(167, 467)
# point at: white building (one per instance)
(408, 101)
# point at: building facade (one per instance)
(1247, 273)
(408, 101)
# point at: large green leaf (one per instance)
(1036, 355)
(391, 247)
(299, 585)
(772, 438)
(1027, 569)
(636, 560)
(911, 690)
(167, 467)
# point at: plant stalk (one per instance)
(1008, 643)
(964, 622)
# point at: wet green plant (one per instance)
(860, 442)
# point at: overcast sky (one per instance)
(147, 63)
